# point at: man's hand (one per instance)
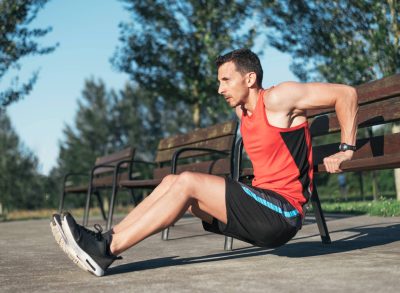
(332, 163)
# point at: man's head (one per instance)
(245, 61)
(239, 73)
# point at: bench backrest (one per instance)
(219, 137)
(113, 159)
(379, 103)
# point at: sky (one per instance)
(87, 33)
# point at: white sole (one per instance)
(92, 266)
(62, 241)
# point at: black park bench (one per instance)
(101, 177)
(205, 150)
(379, 104)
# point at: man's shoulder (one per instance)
(280, 96)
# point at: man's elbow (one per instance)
(353, 98)
(353, 93)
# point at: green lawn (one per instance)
(46, 213)
(383, 207)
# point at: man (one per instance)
(276, 138)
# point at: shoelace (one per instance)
(97, 234)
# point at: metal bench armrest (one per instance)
(176, 155)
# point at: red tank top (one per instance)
(281, 157)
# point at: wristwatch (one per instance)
(345, 147)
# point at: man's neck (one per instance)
(252, 99)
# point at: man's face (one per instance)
(232, 84)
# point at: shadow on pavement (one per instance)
(361, 237)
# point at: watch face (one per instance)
(345, 147)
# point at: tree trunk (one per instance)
(396, 128)
(375, 189)
(373, 173)
(360, 181)
(196, 115)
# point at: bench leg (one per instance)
(62, 197)
(103, 213)
(319, 216)
(135, 201)
(165, 234)
(111, 206)
(228, 243)
(87, 207)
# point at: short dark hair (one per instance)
(245, 60)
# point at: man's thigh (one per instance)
(208, 195)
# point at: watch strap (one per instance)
(346, 147)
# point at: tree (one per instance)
(18, 41)
(337, 41)
(87, 139)
(21, 186)
(136, 120)
(90, 136)
(170, 48)
(141, 119)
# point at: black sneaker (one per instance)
(92, 247)
(62, 241)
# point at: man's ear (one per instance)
(251, 79)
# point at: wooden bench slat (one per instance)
(379, 89)
(216, 167)
(365, 164)
(113, 159)
(368, 115)
(148, 183)
(223, 129)
(103, 170)
(221, 143)
(108, 180)
(77, 189)
(100, 182)
(366, 147)
(369, 92)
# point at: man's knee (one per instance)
(186, 181)
(169, 179)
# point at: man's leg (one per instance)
(143, 207)
(203, 194)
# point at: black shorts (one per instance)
(257, 216)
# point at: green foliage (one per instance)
(383, 207)
(17, 40)
(170, 48)
(106, 122)
(338, 41)
(20, 184)
(328, 187)
(140, 119)
(89, 137)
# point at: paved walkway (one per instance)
(364, 257)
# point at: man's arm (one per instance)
(307, 96)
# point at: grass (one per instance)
(382, 207)
(20, 215)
